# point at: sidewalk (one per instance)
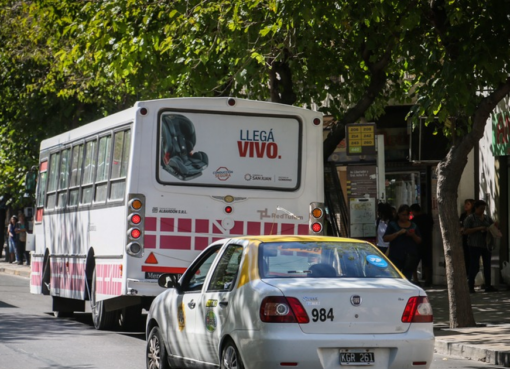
(14, 269)
(489, 342)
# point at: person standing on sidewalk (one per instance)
(21, 231)
(475, 227)
(469, 208)
(404, 237)
(12, 240)
(425, 223)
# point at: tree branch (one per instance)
(377, 84)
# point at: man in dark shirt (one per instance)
(425, 223)
(475, 227)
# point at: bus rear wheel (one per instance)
(102, 319)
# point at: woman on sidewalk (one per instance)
(404, 237)
(12, 240)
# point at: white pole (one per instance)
(381, 169)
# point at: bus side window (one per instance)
(88, 172)
(74, 182)
(52, 182)
(63, 178)
(103, 166)
(41, 184)
(120, 161)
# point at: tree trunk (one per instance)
(449, 172)
(280, 83)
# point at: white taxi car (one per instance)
(290, 301)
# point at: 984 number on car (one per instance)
(322, 315)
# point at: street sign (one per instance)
(360, 139)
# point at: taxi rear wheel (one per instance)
(230, 358)
(156, 357)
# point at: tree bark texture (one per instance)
(280, 83)
(449, 172)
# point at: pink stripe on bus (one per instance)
(175, 242)
(167, 224)
(150, 223)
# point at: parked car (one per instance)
(290, 301)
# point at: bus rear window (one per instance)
(229, 150)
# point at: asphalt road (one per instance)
(32, 338)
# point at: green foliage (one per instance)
(31, 107)
(63, 63)
(460, 58)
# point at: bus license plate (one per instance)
(356, 357)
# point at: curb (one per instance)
(473, 352)
(21, 273)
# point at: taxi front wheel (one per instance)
(230, 358)
(156, 352)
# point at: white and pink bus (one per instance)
(121, 200)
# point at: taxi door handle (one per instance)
(192, 304)
(223, 303)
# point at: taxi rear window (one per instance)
(323, 260)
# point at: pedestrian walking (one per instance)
(404, 237)
(476, 226)
(12, 240)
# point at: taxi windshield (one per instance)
(323, 260)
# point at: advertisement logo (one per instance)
(257, 177)
(223, 173)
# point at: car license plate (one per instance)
(357, 357)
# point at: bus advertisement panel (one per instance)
(139, 193)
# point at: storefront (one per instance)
(493, 185)
(408, 177)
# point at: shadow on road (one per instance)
(18, 328)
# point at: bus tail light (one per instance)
(135, 219)
(135, 204)
(316, 218)
(134, 248)
(135, 225)
(134, 233)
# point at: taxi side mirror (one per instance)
(167, 280)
